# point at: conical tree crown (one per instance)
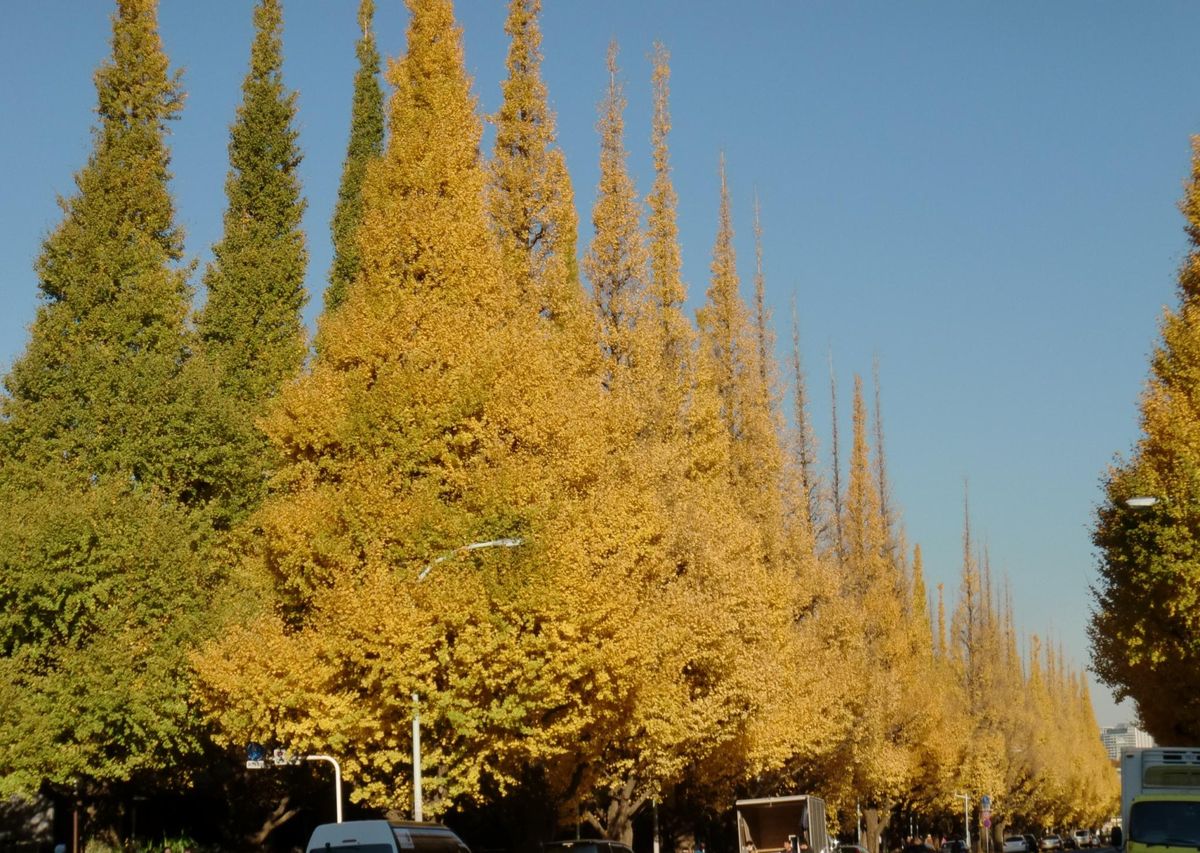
(616, 260)
(366, 144)
(727, 332)
(107, 263)
(108, 352)
(723, 322)
(530, 197)
(395, 400)
(666, 277)
(251, 323)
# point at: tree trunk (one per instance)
(871, 818)
(280, 815)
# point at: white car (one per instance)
(1083, 838)
(1014, 844)
(1051, 842)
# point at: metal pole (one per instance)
(654, 807)
(966, 798)
(337, 780)
(416, 758)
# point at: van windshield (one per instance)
(1165, 823)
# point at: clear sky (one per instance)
(982, 195)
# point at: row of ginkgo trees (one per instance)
(208, 539)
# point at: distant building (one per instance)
(1123, 736)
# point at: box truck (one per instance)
(793, 824)
(1160, 799)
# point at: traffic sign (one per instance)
(987, 823)
(985, 802)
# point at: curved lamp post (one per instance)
(508, 542)
(337, 779)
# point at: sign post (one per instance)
(985, 818)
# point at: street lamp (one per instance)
(337, 779)
(966, 798)
(1141, 501)
(511, 542)
(507, 542)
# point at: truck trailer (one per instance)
(1160, 799)
(794, 824)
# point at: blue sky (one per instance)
(982, 195)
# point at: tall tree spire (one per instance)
(803, 441)
(722, 319)
(839, 540)
(729, 334)
(881, 478)
(764, 337)
(366, 144)
(616, 261)
(251, 322)
(668, 291)
(529, 194)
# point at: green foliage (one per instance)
(366, 144)
(103, 592)
(250, 326)
(117, 457)
(1145, 629)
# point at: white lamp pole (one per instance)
(337, 779)
(417, 757)
(508, 542)
(966, 798)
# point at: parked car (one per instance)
(1031, 843)
(955, 845)
(384, 836)
(1083, 838)
(1014, 844)
(1051, 842)
(851, 848)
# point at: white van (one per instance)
(384, 836)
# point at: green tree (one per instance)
(366, 144)
(118, 455)
(250, 325)
(1145, 628)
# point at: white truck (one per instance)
(793, 824)
(384, 836)
(1160, 799)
